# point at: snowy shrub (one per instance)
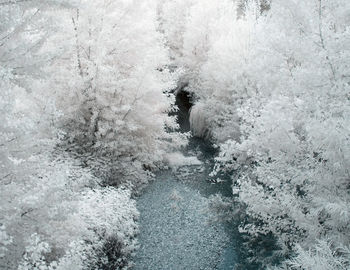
(322, 256)
(83, 88)
(219, 68)
(273, 92)
(117, 100)
(93, 230)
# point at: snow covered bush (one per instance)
(47, 197)
(84, 92)
(207, 50)
(90, 231)
(324, 255)
(273, 91)
(117, 100)
(220, 78)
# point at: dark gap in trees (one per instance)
(184, 104)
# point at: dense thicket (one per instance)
(272, 83)
(84, 96)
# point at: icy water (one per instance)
(176, 229)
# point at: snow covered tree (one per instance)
(273, 90)
(78, 72)
(119, 99)
(292, 156)
(48, 209)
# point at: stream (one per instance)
(176, 228)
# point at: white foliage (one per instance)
(273, 91)
(70, 69)
(99, 216)
(322, 256)
(117, 100)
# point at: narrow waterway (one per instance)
(176, 229)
